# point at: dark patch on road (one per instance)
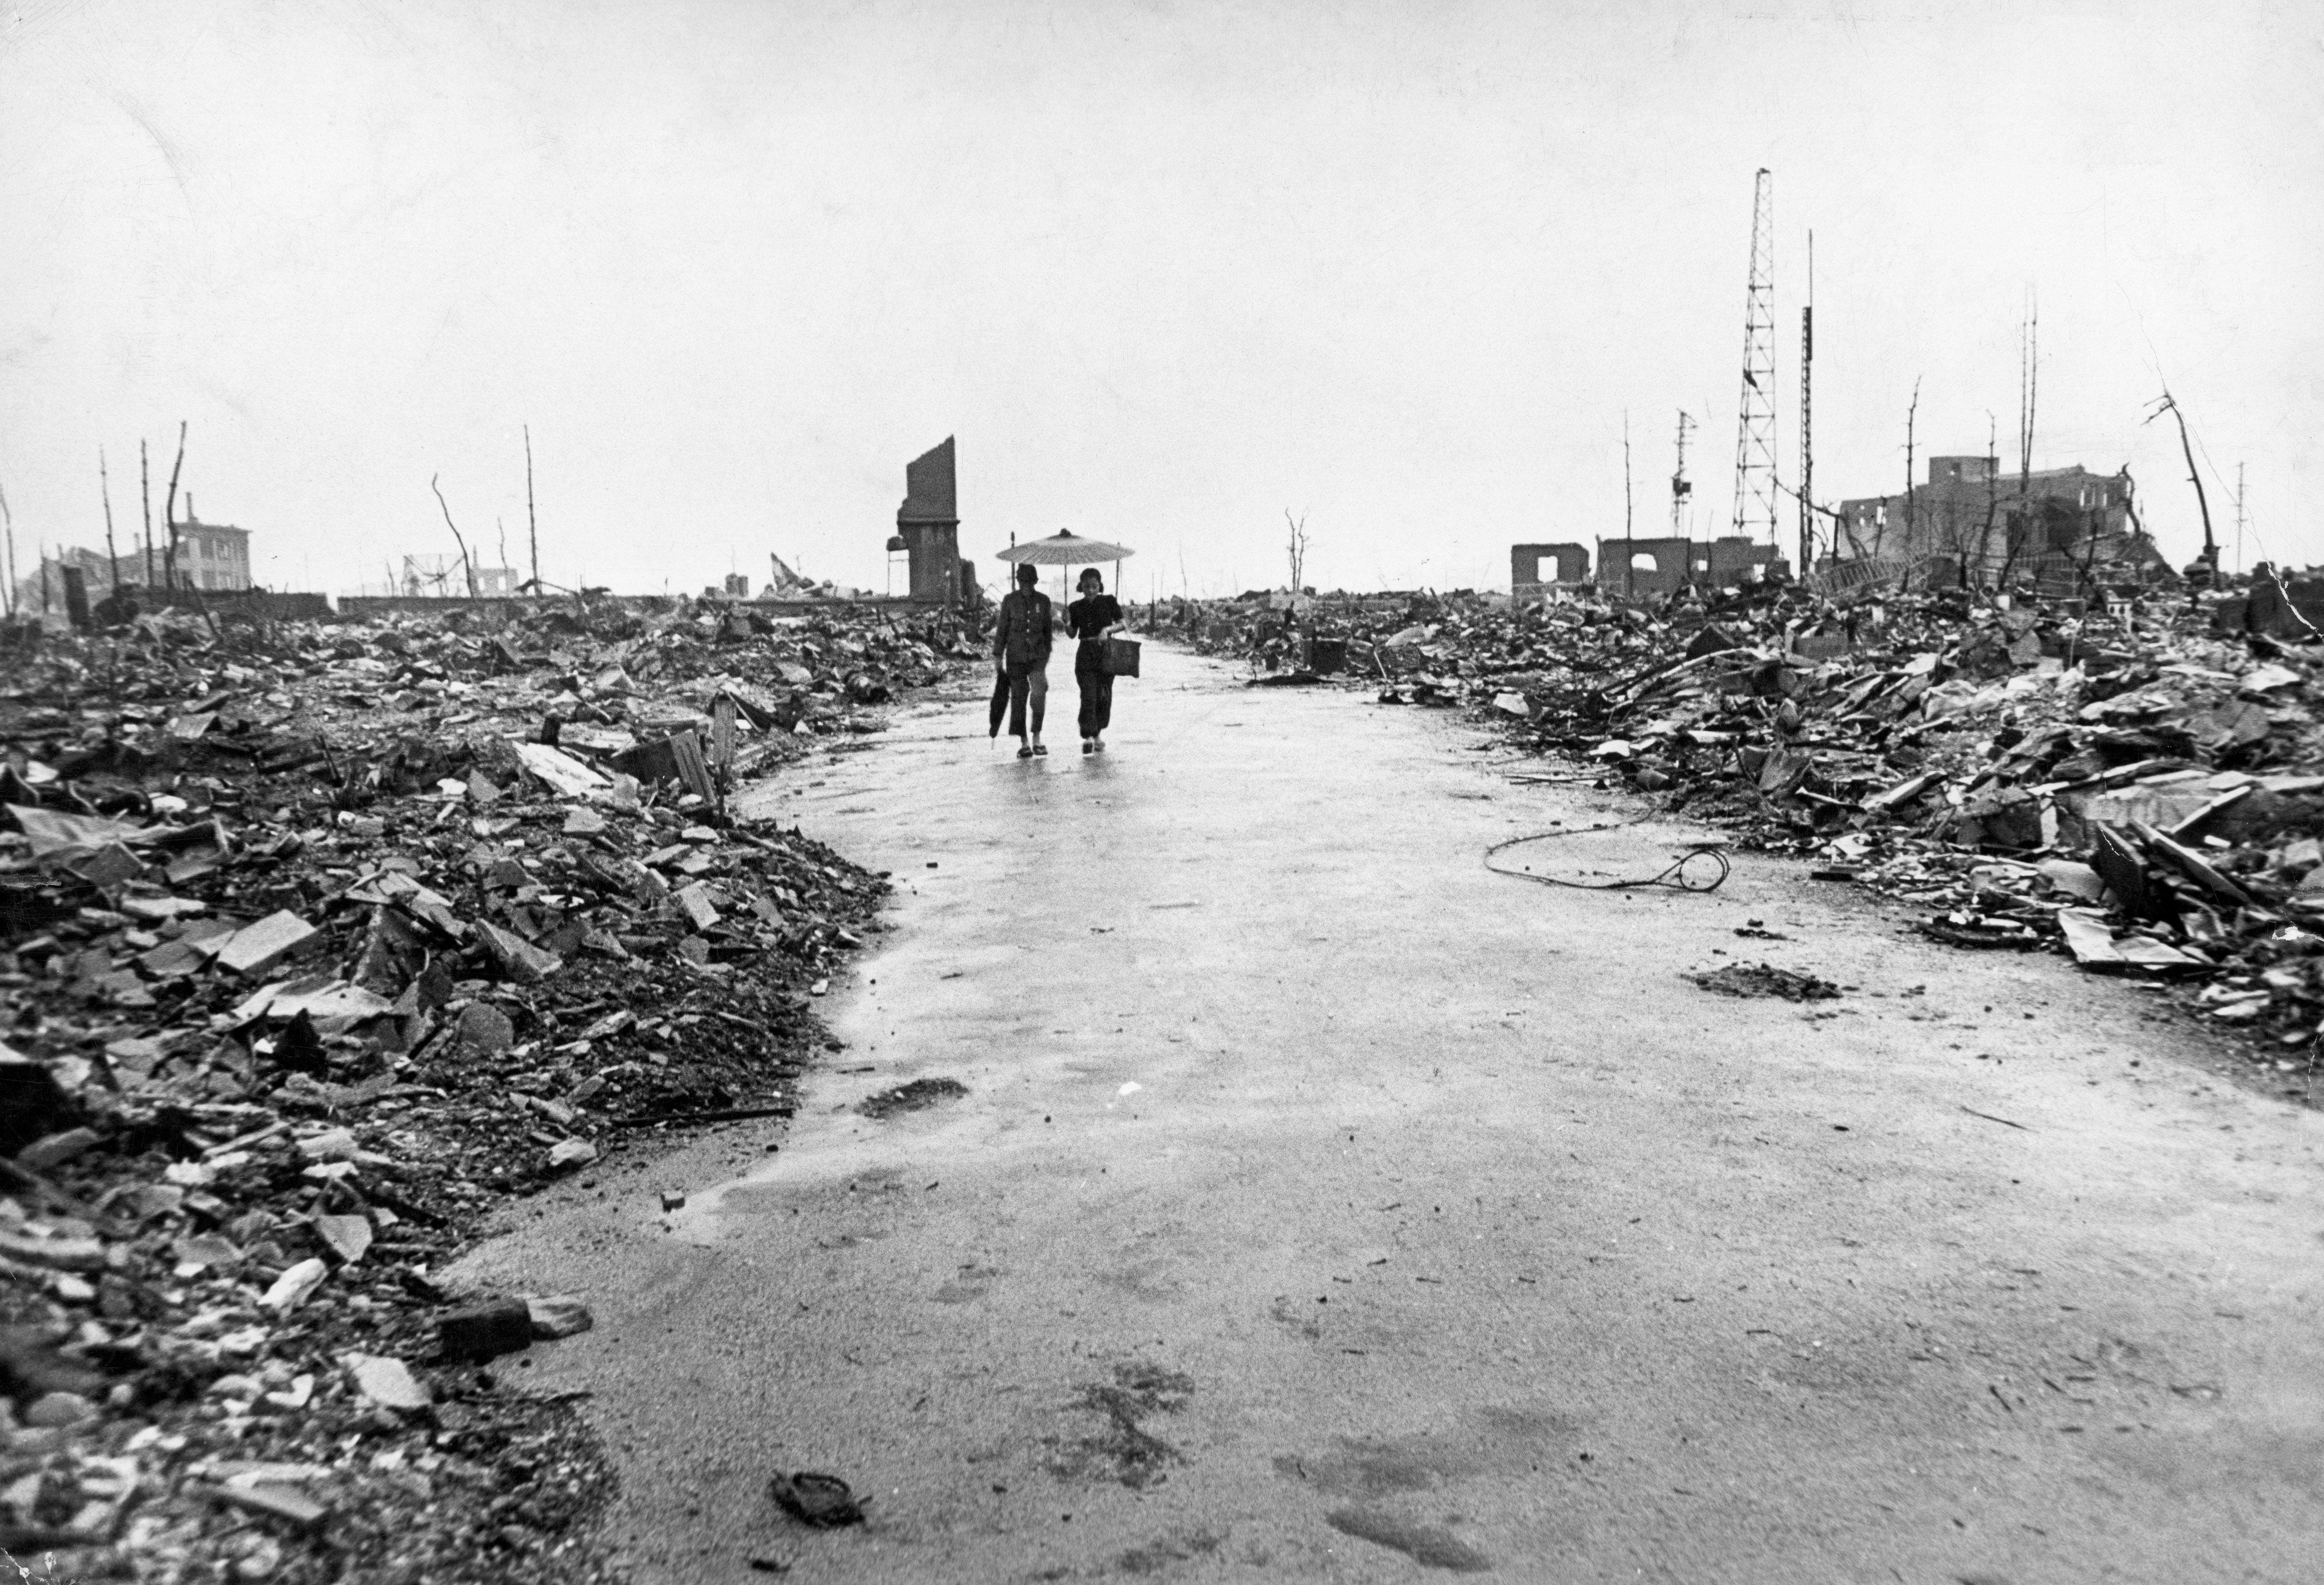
(1765, 979)
(1497, 1440)
(1424, 1545)
(916, 1096)
(1158, 1555)
(1122, 1451)
(972, 1282)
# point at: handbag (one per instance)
(1121, 657)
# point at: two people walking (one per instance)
(1021, 640)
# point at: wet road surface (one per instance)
(1323, 1206)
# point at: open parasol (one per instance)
(1066, 548)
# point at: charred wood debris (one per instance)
(2137, 783)
(320, 943)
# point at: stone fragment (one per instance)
(519, 959)
(559, 1315)
(571, 1153)
(276, 1502)
(700, 911)
(56, 1254)
(55, 1149)
(484, 1331)
(59, 1408)
(386, 1382)
(348, 1235)
(254, 949)
(295, 1286)
(484, 1029)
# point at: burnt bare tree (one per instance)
(105, 490)
(169, 513)
(2165, 403)
(532, 523)
(2029, 378)
(8, 590)
(1297, 549)
(145, 506)
(467, 565)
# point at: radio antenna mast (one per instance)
(1755, 428)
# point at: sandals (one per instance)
(1025, 753)
(1042, 750)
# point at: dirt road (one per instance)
(1323, 1206)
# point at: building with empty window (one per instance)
(1973, 513)
(210, 555)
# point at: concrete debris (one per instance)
(559, 1315)
(823, 1501)
(916, 1096)
(2149, 762)
(1765, 979)
(485, 1331)
(318, 943)
(388, 1383)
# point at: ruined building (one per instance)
(1973, 519)
(927, 524)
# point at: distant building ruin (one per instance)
(1974, 520)
(1637, 568)
(210, 555)
(446, 577)
(929, 523)
(1534, 568)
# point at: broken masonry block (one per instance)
(559, 1315)
(254, 949)
(485, 1331)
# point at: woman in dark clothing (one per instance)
(1092, 619)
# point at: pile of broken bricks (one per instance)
(301, 978)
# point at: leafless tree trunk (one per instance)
(104, 488)
(2029, 376)
(8, 591)
(1626, 530)
(467, 565)
(1992, 488)
(532, 523)
(145, 506)
(169, 514)
(1298, 548)
(2165, 405)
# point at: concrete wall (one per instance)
(1526, 564)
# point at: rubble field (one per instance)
(2136, 781)
(321, 946)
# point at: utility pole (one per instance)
(2239, 517)
(1625, 473)
(1680, 490)
(1755, 426)
(1807, 420)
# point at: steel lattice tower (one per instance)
(1755, 430)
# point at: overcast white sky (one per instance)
(1166, 270)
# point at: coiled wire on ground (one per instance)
(1676, 875)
